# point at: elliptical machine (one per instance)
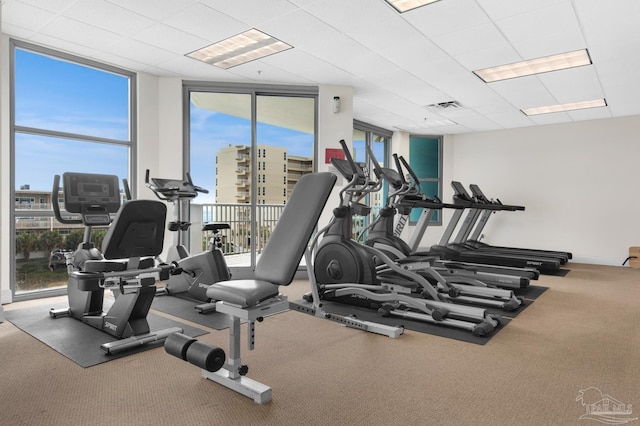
(199, 270)
(356, 274)
(126, 265)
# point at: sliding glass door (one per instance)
(248, 146)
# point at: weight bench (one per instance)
(252, 299)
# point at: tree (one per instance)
(50, 240)
(27, 242)
(73, 239)
(97, 237)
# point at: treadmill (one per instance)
(458, 250)
(474, 241)
(501, 276)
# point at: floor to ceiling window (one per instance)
(67, 114)
(248, 145)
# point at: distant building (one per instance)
(276, 174)
(27, 201)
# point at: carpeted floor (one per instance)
(581, 333)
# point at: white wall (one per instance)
(4, 171)
(578, 181)
(160, 136)
(332, 127)
(5, 176)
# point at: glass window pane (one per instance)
(53, 94)
(220, 160)
(41, 241)
(359, 151)
(59, 95)
(39, 158)
(424, 156)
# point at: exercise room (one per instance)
(285, 212)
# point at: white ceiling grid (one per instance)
(397, 64)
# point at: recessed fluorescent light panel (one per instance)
(596, 103)
(240, 49)
(562, 61)
(406, 5)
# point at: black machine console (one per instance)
(91, 195)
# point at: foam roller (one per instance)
(205, 356)
(177, 344)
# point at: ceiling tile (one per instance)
(577, 84)
(26, 16)
(55, 6)
(108, 16)
(554, 118)
(445, 17)
(204, 22)
(183, 65)
(250, 12)
(510, 119)
(543, 32)
(171, 39)
(139, 52)
(524, 92)
(489, 56)
(154, 9)
(470, 39)
(590, 114)
(408, 86)
(498, 9)
(68, 29)
(306, 67)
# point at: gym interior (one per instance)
(565, 355)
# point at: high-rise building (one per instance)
(276, 174)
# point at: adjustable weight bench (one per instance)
(252, 299)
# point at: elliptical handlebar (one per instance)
(348, 156)
(360, 180)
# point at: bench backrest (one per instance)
(288, 241)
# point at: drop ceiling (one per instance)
(401, 66)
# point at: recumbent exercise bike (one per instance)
(126, 264)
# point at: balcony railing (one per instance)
(32, 206)
(237, 239)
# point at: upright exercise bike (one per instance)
(199, 270)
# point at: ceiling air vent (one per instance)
(445, 105)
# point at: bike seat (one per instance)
(215, 226)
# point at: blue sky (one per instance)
(211, 131)
(57, 95)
